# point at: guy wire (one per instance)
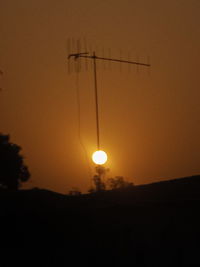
(79, 121)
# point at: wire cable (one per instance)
(79, 120)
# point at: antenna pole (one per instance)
(96, 99)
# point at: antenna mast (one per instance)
(94, 58)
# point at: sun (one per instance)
(99, 157)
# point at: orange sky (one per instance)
(149, 122)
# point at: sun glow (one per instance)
(99, 157)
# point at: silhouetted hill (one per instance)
(146, 224)
(187, 188)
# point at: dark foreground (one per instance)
(156, 224)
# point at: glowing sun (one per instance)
(99, 157)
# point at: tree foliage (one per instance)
(99, 184)
(118, 183)
(13, 172)
(75, 192)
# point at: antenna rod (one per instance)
(109, 59)
(96, 99)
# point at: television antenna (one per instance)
(100, 157)
(94, 57)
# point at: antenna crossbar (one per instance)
(84, 55)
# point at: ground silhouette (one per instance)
(155, 224)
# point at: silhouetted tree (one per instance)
(75, 192)
(12, 169)
(91, 190)
(118, 182)
(99, 185)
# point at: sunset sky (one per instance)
(149, 120)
